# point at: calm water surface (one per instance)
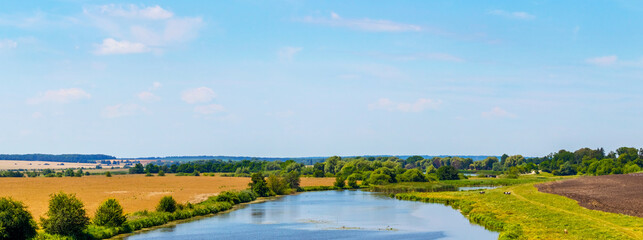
(330, 215)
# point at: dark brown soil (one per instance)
(611, 193)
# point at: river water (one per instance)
(329, 215)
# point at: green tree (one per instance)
(167, 204)
(161, 173)
(339, 182)
(110, 214)
(292, 178)
(447, 173)
(352, 180)
(108, 174)
(15, 221)
(330, 165)
(258, 184)
(66, 215)
(277, 184)
(411, 175)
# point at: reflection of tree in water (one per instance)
(258, 215)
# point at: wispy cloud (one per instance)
(122, 110)
(514, 15)
(419, 56)
(602, 61)
(60, 96)
(198, 95)
(8, 44)
(152, 28)
(288, 53)
(111, 47)
(498, 112)
(418, 106)
(364, 24)
(149, 96)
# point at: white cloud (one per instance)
(148, 96)
(288, 53)
(8, 44)
(198, 95)
(111, 46)
(134, 11)
(418, 106)
(515, 15)
(364, 24)
(209, 109)
(60, 96)
(498, 112)
(602, 61)
(122, 110)
(153, 27)
(156, 85)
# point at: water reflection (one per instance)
(330, 215)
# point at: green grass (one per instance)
(529, 214)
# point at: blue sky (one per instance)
(319, 78)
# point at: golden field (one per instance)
(134, 192)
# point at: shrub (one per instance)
(161, 173)
(339, 182)
(447, 173)
(228, 196)
(109, 214)
(15, 221)
(108, 174)
(66, 215)
(247, 196)
(167, 204)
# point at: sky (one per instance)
(318, 78)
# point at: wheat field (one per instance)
(134, 192)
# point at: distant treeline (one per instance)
(302, 160)
(81, 158)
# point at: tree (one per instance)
(292, 178)
(331, 164)
(339, 182)
(258, 184)
(503, 158)
(15, 221)
(109, 214)
(66, 215)
(352, 180)
(167, 204)
(411, 175)
(108, 174)
(138, 168)
(161, 173)
(277, 184)
(447, 173)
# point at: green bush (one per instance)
(15, 221)
(292, 178)
(108, 174)
(411, 175)
(109, 214)
(228, 196)
(167, 204)
(161, 173)
(66, 215)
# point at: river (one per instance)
(329, 215)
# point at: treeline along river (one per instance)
(329, 215)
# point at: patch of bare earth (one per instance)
(611, 193)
